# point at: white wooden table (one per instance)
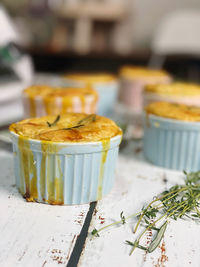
(34, 234)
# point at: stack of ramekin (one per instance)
(177, 92)
(45, 100)
(133, 80)
(106, 85)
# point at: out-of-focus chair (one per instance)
(177, 34)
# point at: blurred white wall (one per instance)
(146, 14)
(135, 31)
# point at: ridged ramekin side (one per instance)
(172, 144)
(52, 175)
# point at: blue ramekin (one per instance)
(64, 173)
(172, 144)
(108, 94)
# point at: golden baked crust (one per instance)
(35, 90)
(71, 127)
(174, 111)
(91, 78)
(174, 89)
(60, 100)
(132, 72)
(49, 92)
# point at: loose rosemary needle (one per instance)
(180, 201)
(83, 122)
(53, 123)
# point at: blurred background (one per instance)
(95, 34)
(60, 36)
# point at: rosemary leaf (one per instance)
(155, 228)
(142, 247)
(155, 243)
(82, 122)
(129, 243)
(74, 127)
(53, 123)
(95, 232)
(122, 218)
(87, 119)
(135, 245)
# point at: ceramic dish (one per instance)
(106, 85)
(172, 143)
(46, 100)
(65, 173)
(183, 93)
(133, 80)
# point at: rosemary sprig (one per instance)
(53, 123)
(88, 119)
(95, 232)
(74, 127)
(82, 122)
(179, 201)
(135, 244)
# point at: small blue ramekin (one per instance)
(64, 173)
(172, 144)
(108, 94)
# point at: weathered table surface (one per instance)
(34, 234)
(43, 235)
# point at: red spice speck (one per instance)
(149, 238)
(102, 220)
(79, 219)
(163, 257)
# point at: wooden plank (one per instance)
(34, 234)
(137, 183)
